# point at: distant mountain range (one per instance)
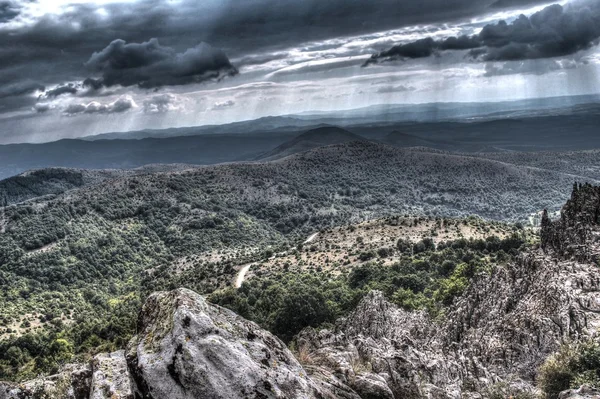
(383, 114)
(494, 128)
(309, 140)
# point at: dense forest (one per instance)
(75, 266)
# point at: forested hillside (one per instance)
(74, 268)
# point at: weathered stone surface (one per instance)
(497, 333)
(574, 234)
(187, 348)
(382, 351)
(585, 392)
(73, 382)
(12, 391)
(110, 378)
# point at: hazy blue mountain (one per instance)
(570, 128)
(309, 140)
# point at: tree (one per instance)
(304, 306)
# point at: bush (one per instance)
(365, 256)
(572, 366)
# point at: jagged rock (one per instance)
(572, 235)
(383, 351)
(585, 392)
(371, 386)
(500, 331)
(110, 379)
(106, 377)
(73, 382)
(13, 391)
(187, 348)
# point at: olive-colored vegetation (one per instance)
(424, 277)
(572, 366)
(74, 268)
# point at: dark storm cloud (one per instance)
(60, 90)
(516, 3)
(553, 32)
(94, 84)
(55, 47)
(424, 48)
(8, 11)
(20, 88)
(244, 28)
(150, 65)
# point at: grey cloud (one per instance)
(94, 84)
(8, 11)
(150, 65)
(224, 104)
(159, 104)
(75, 109)
(516, 3)
(20, 88)
(123, 104)
(65, 41)
(54, 47)
(258, 59)
(395, 89)
(424, 48)
(419, 49)
(314, 67)
(60, 90)
(527, 67)
(554, 31)
(41, 108)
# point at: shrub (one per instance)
(572, 366)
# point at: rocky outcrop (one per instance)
(73, 382)
(494, 337)
(381, 351)
(110, 377)
(585, 392)
(492, 340)
(498, 333)
(575, 233)
(105, 377)
(187, 348)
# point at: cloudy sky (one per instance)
(71, 68)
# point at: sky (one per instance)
(72, 68)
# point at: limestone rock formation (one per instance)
(187, 348)
(110, 378)
(73, 382)
(585, 392)
(496, 334)
(575, 233)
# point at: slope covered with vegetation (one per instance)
(74, 268)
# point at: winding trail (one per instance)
(311, 238)
(241, 276)
(239, 280)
